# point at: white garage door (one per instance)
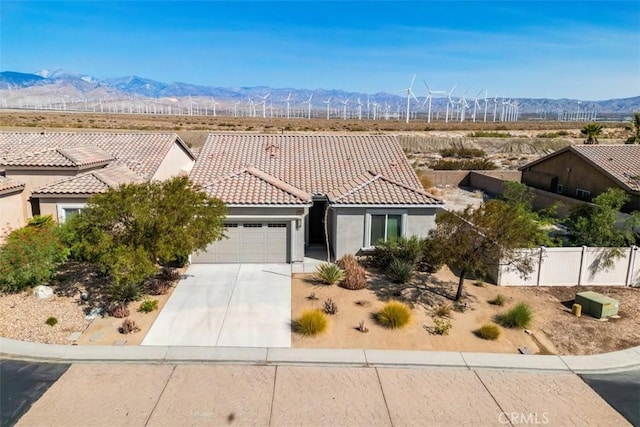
(248, 242)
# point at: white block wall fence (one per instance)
(574, 266)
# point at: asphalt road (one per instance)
(620, 390)
(22, 384)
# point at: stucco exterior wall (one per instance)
(12, 212)
(350, 226)
(176, 162)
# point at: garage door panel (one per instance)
(250, 243)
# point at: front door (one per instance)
(316, 223)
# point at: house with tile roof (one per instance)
(55, 173)
(585, 171)
(287, 193)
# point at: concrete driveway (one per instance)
(227, 305)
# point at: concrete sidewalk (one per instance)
(608, 362)
(174, 395)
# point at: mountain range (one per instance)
(47, 84)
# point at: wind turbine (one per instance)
(410, 94)
(495, 107)
(213, 104)
(288, 106)
(264, 105)
(486, 102)
(359, 109)
(476, 105)
(449, 103)
(309, 107)
(328, 102)
(375, 109)
(463, 105)
(344, 109)
(368, 107)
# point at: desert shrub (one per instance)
(489, 134)
(462, 152)
(443, 310)
(404, 249)
(519, 316)
(159, 286)
(169, 274)
(432, 258)
(149, 305)
(329, 273)
(330, 307)
(463, 164)
(489, 331)
(124, 292)
(119, 310)
(394, 315)
(129, 326)
(311, 323)
(400, 271)
(51, 321)
(441, 326)
(498, 300)
(548, 135)
(31, 255)
(426, 182)
(355, 276)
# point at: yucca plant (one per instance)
(329, 273)
(400, 271)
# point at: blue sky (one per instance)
(559, 49)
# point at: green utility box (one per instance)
(597, 305)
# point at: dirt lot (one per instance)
(554, 330)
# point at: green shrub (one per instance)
(329, 273)
(465, 164)
(51, 321)
(498, 300)
(149, 305)
(432, 258)
(394, 315)
(443, 310)
(400, 271)
(404, 249)
(355, 276)
(489, 134)
(31, 255)
(441, 326)
(462, 152)
(311, 323)
(489, 331)
(519, 316)
(124, 292)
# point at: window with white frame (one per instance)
(66, 211)
(384, 227)
(583, 194)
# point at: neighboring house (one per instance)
(57, 172)
(284, 192)
(585, 171)
(12, 206)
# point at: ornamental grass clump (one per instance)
(498, 300)
(394, 315)
(519, 316)
(488, 331)
(329, 273)
(311, 323)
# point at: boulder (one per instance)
(42, 292)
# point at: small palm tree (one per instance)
(592, 131)
(634, 126)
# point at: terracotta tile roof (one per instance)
(622, 162)
(369, 189)
(251, 186)
(7, 184)
(315, 164)
(97, 181)
(142, 152)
